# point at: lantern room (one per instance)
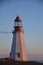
(18, 24)
(18, 21)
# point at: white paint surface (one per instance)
(18, 47)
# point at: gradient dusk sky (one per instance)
(31, 13)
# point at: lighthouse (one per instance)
(18, 51)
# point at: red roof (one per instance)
(18, 19)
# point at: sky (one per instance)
(31, 13)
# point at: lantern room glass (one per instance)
(18, 23)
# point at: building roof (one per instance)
(18, 19)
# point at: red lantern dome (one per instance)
(18, 19)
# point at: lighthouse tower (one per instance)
(18, 51)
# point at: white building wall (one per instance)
(13, 48)
(18, 51)
(20, 47)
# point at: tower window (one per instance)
(18, 54)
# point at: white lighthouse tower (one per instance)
(18, 51)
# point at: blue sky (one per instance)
(31, 12)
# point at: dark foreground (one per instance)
(6, 61)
